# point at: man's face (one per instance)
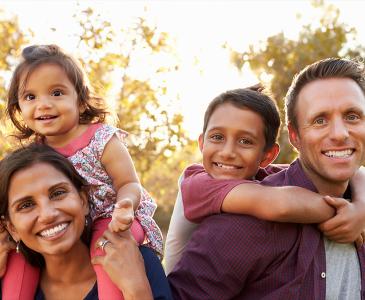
(331, 131)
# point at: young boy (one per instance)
(238, 143)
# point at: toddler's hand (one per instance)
(123, 216)
(5, 246)
(360, 240)
(347, 225)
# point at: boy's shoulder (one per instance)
(194, 169)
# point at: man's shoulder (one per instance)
(232, 227)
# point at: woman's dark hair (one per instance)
(26, 157)
(251, 98)
(37, 55)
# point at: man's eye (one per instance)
(29, 97)
(320, 121)
(352, 117)
(57, 93)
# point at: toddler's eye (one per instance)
(57, 93)
(29, 97)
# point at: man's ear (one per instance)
(270, 155)
(293, 136)
(12, 231)
(201, 142)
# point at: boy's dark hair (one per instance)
(26, 157)
(254, 99)
(322, 69)
(32, 58)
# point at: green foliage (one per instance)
(133, 54)
(12, 40)
(279, 58)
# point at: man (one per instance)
(241, 257)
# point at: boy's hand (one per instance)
(5, 246)
(123, 216)
(360, 240)
(348, 223)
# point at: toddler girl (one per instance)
(50, 99)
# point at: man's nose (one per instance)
(339, 130)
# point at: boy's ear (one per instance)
(270, 155)
(201, 141)
(293, 136)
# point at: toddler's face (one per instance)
(48, 102)
(233, 144)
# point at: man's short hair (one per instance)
(322, 69)
(254, 99)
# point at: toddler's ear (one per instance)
(270, 155)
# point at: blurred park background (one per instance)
(159, 63)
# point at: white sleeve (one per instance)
(179, 233)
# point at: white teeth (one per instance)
(225, 166)
(45, 117)
(53, 231)
(339, 154)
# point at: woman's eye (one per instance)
(29, 97)
(57, 93)
(57, 193)
(25, 205)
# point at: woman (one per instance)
(44, 205)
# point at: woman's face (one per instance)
(46, 211)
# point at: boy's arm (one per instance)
(349, 222)
(281, 204)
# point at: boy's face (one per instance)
(233, 144)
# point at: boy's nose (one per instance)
(228, 150)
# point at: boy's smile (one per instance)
(233, 144)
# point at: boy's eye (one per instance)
(57, 93)
(216, 137)
(245, 141)
(29, 97)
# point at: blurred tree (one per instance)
(278, 59)
(141, 58)
(12, 39)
